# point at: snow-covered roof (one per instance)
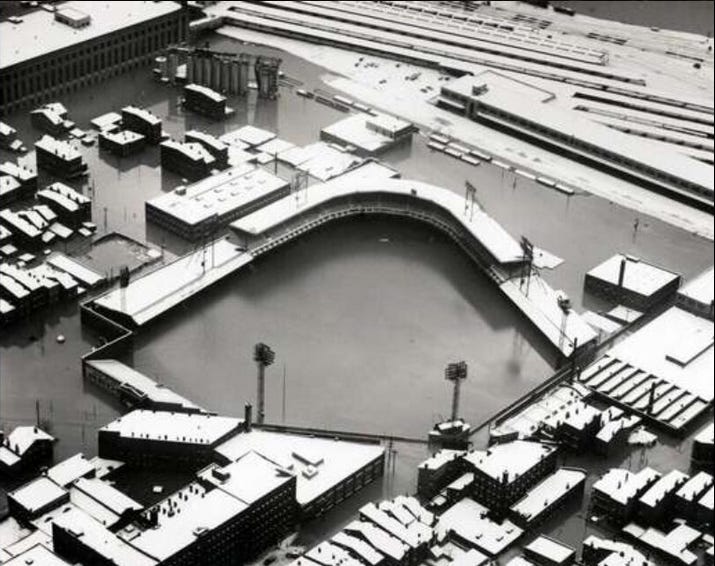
(249, 479)
(328, 554)
(37, 494)
(107, 495)
(38, 555)
(509, 460)
(551, 550)
(247, 135)
(700, 289)
(385, 543)
(182, 518)
(154, 293)
(205, 91)
(468, 519)
(121, 137)
(191, 150)
(664, 486)
(70, 470)
(218, 194)
(363, 550)
(695, 486)
(19, 42)
(440, 458)
(415, 534)
(102, 541)
(623, 485)
(548, 491)
(71, 266)
(639, 276)
(143, 114)
(61, 148)
(186, 428)
(318, 463)
(484, 228)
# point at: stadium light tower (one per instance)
(264, 357)
(456, 373)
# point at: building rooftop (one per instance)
(37, 494)
(363, 550)
(205, 91)
(380, 540)
(218, 194)
(318, 463)
(674, 544)
(193, 151)
(468, 519)
(106, 17)
(249, 479)
(38, 555)
(550, 549)
(676, 347)
(639, 276)
(81, 273)
(107, 495)
(182, 518)
(247, 136)
(510, 460)
(62, 148)
(329, 554)
(186, 428)
(695, 486)
(206, 140)
(102, 541)
(663, 487)
(441, 458)
(124, 375)
(23, 437)
(20, 172)
(150, 295)
(70, 470)
(122, 137)
(700, 289)
(18, 223)
(143, 114)
(548, 491)
(414, 534)
(623, 485)
(354, 130)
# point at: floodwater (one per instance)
(363, 315)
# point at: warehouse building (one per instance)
(59, 158)
(82, 43)
(143, 122)
(190, 160)
(203, 100)
(197, 210)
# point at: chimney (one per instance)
(248, 417)
(622, 272)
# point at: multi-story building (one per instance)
(71, 207)
(81, 43)
(211, 144)
(156, 438)
(143, 122)
(615, 495)
(190, 160)
(203, 100)
(23, 175)
(505, 472)
(435, 473)
(122, 142)
(59, 158)
(25, 447)
(196, 211)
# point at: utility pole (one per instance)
(264, 357)
(456, 373)
(470, 198)
(528, 250)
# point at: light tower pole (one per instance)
(456, 373)
(263, 356)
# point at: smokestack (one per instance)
(248, 417)
(622, 272)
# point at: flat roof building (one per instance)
(155, 438)
(696, 296)
(212, 144)
(369, 134)
(71, 207)
(36, 498)
(122, 142)
(81, 43)
(552, 492)
(615, 494)
(198, 210)
(632, 282)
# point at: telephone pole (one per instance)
(264, 357)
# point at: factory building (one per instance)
(81, 43)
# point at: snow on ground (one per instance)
(382, 83)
